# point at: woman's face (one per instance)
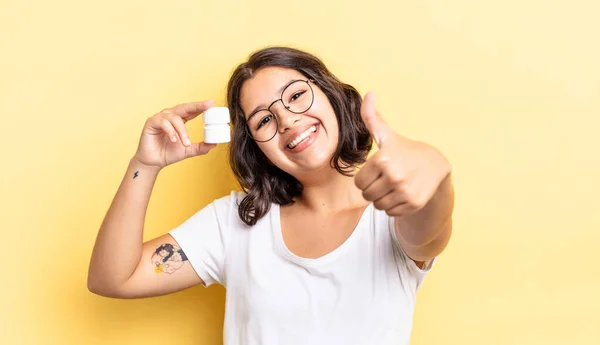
(314, 132)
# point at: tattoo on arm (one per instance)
(135, 174)
(168, 258)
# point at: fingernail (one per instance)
(173, 139)
(187, 141)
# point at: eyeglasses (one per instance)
(297, 98)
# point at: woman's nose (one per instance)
(285, 118)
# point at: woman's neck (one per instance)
(330, 191)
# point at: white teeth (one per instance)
(302, 136)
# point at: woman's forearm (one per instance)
(424, 226)
(119, 241)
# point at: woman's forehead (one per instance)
(265, 86)
(275, 72)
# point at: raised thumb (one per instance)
(375, 123)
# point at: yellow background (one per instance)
(510, 91)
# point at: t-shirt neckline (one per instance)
(283, 250)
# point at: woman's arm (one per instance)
(424, 234)
(121, 265)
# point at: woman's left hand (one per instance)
(404, 174)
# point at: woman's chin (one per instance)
(314, 163)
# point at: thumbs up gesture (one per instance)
(404, 174)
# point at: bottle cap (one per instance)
(216, 115)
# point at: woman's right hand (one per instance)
(165, 140)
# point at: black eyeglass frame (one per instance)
(287, 107)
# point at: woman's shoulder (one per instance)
(231, 200)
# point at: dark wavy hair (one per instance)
(263, 182)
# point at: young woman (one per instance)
(322, 246)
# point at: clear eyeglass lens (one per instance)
(296, 98)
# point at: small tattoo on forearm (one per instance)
(135, 174)
(168, 258)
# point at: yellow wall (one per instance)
(509, 90)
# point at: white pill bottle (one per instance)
(216, 125)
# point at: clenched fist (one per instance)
(404, 174)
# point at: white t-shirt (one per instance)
(363, 292)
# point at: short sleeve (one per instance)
(405, 263)
(203, 238)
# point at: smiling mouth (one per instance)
(302, 137)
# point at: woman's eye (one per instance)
(264, 121)
(296, 96)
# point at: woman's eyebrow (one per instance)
(262, 106)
